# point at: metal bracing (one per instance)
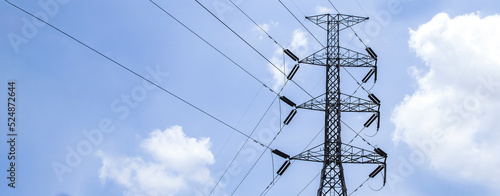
(349, 103)
(342, 19)
(350, 154)
(348, 58)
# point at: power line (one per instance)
(356, 80)
(238, 66)
(239, 36)
(361, 7)
(359, 186)
(250, 45)
(140, 76)
(253, 166)
(270, 37)
(300, 10)
(300, 23)
(255, 128)
(215, 48)
(185, 26)
(271, 185)
(276, 136)
(239, 121)
(234, 158)
(281, 129)
(309, 183)
(357, 134)
(239, 151)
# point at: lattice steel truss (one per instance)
(333, 153)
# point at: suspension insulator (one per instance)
(368, 75)
(290, 117)
(281, 154)
(380, 152)
(371, 53)
(370, 120)
(283, 167)
(291, 55)
(292, 73)
(287, 101)
(376, 171)
(374, 99)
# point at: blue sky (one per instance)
(135, 139)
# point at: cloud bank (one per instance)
(175, 165)
(458, 97)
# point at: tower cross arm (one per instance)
(350, 154)
(348, 58)
(353, 154)
(349, 103)
(345, 20)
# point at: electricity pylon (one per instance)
(333, 153)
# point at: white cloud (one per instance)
(323, 10)
(298, 46)
(175, 165)
(458, 97)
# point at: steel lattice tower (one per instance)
(333, 153)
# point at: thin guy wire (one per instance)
(215, 48)
(281, 129)
(297, 7)
(360, 186)
(140, 76)
(270, 37)
(251, 46)
(239, 121)
(309, 183)
(253, 166)
(233, 62)
(360, 84)
(357, 134)
(246, 141)
(238, 36)
(361, 7)
(275, 180)
(300, 23)
(270, 186)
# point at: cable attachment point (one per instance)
(283, 167)
(288, 101)
(371, 53)
(292, 73)
(380, 152)
(281, 154)
(376, 171)
(290, 117)
(291, 55)
(368, 75)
